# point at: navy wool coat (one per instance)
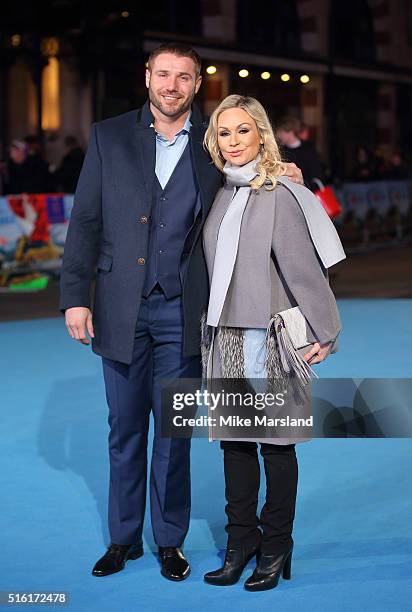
(108, 229)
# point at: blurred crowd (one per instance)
(375, 166)
(379, 225)
(376, 228)
(25, 170)
(296, 145)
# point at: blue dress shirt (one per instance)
(168, 152)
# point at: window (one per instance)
(352, 34)
(175, 16)
(268, 26)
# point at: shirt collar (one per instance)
(188, 124)
(185, 129)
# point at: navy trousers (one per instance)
(133, 391)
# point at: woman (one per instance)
(259, 241)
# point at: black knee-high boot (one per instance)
(277, 517)
(242, 479)
(242, 475)
(278, 513)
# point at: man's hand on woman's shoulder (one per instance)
(294, 173)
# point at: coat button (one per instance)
(141, 261)
(143, 219)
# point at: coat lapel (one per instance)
(208, 177)
(146, 142)
(146, 145)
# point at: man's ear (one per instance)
(198, 83)
(147, 77)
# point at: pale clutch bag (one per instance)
(290, 330)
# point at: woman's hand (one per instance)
(317, 353)
(294, 173)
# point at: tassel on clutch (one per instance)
(289, 328)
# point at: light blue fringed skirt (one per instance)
(253, 347)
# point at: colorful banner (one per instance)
(380, 196)
(42, 219)
(10, 228)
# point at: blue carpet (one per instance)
(353, 528)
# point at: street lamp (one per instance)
(16, 40)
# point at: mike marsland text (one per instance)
(236, 421)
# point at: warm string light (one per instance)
(15, 40)
(211, 69)
(265, 75)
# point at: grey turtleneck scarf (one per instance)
(238, 177)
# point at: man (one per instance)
(302, 152)
(65, 177)
(143, 195)
(15, 171)
(36, 166)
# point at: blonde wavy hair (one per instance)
(270, 165)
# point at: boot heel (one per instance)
(287, 568)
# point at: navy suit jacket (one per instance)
(115, 190)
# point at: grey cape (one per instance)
(284, 246)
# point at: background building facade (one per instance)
(344, 68)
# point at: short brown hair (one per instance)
(288, 123)
(177, 49)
